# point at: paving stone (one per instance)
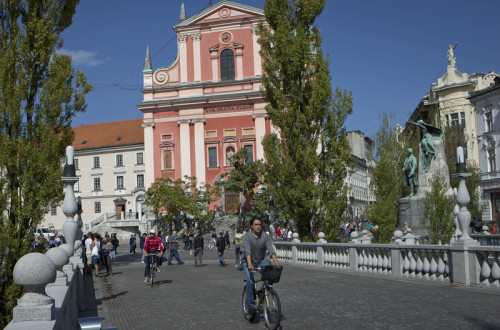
(209, 297)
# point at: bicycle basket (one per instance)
(271, 274)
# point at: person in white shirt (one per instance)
(289, 235)
(88, 252)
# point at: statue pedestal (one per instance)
(411, 210)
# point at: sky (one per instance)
(386, 52)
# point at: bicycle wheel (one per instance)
(272, 309)
(249, 316)
(152, 271)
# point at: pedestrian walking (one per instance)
(173, 243)
(114, 241)
(142, 240)
(198, 246)
(108, 248)
(221, 246)
(132, 243)
(226, 238)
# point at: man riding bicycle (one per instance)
(151, 247)
(255, 244)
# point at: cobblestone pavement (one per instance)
(209, 297)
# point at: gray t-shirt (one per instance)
(173, 243)
(256, 246)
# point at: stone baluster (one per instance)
(406, 263)
(380, 262)
(345, 254)
(70, 206)
(59, 257)
(34, 271)
(370, 264)
(427, 265)
(360, 259)
(434, 265)
(413, 263)
(495, 271)
(441, 266)
(485, 270)
(420, 264)
(456, 209)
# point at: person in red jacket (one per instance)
(152, 245)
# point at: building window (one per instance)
(491, 154)
(229, 155)
(97, 184)
(97, 162)
(140, 180)
(119, 160)
(167, 137)
(53, 211)
(227, 65)
(77, 164)
(249, 149)
(168, 163)
(462, 119)
(97, 207)
(489, 121)
(454, 119)
(77, 185)
(140, 158)
(119, 182)
(212, 157)
(447, 120)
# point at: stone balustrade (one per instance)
(470, 265)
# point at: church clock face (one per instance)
(226, 38)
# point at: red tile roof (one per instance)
(112, 134)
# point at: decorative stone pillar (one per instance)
(260, 132)
(197, 56)
(59, 257)
(295, 238)
(149, 161)
(199, 147)
(34, 271)
(182, 39)
(409, 237)
(185, 144)
(214, 56)
(239, 60)
(463, 199)
(70, 207)
(354, 237)
(257, 61)
(397, 237)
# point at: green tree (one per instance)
(387, 178)
(177, 199)
(308, 161)
(247, 177)
(40, 93)
(438, 210)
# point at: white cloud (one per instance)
(82, 57)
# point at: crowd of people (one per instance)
(99, 252)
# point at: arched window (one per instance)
(227, 65)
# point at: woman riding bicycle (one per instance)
(255, 244)
(152, 245)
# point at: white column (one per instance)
(199, 147)
(185, 148)
(257, 65)
(197, 56)
(239, 62)
(183, 57)
(215, 66)
(149, 161)
(260, 131)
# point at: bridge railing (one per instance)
(470, 265)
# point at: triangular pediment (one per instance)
(224, 10)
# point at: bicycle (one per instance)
(153, 263)
(266, 297)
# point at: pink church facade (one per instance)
(207, 104)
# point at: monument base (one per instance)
(411, 211)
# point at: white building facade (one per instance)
(109, 162)
(487, 105)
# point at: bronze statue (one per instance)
(410, 172)
(428, 134)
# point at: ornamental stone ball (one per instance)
(398, 234)
(354, 235)
(69, 249)
(59, 256)
(34, 269)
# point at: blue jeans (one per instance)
(221, 258)
(250, 281)
(173, 253)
